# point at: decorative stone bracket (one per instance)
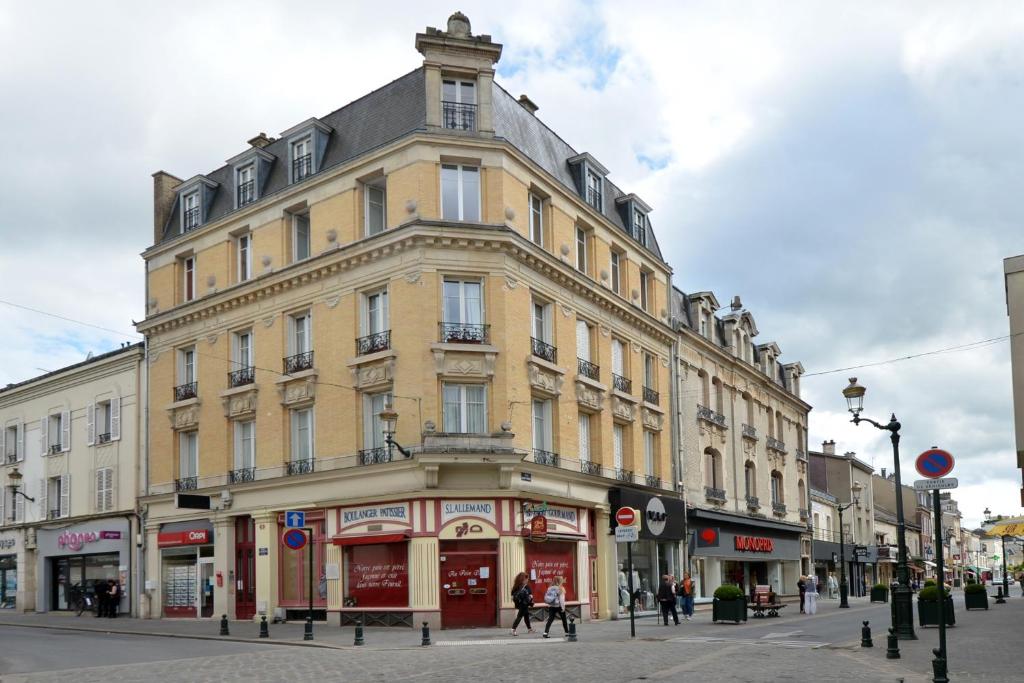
(622, 408)
(545, 378)
(652, 419)
(184, 414)
(373, 371)
(465, 360)
(297, 389)
(239, 402)
(590, 394)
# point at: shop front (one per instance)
(186, 568)
(744, 552)
(83, 557)
(10, 545)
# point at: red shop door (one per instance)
(469, 590)
(245, 568)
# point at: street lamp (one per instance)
(902, 599)
(844, 591)
(389, 420)
(15, 476)
(1006, 579)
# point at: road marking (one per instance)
(792, 644)
(781, 634)
(500, 641)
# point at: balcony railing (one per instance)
(588, 467)
(711, 493)
(302, 167)
(464, 333)
(775, 445)
(594, 198)
(183, 392)
(543, 350)
(588, 369)
(458, 116)
(623, 384)
(242, 474)
(651, 396)
(53, 514)
(241, 377)
(55, 448)
(372, 343)
(298, 363)
(300, 466)
(750, 431)
(624, 475)
(246, 192)
(103, 438)
(542, 457)
(374, 456)
(11, 458)
(804, 514)
(801, 454)
(753, 503)
(708, 415)
(653, 481)
(186, 484)
(191, 219)
(779, 508)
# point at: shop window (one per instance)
(377, 575)
(545, 561)
(294, 570)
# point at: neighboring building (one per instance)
(742, 443)
(1013, 274)
(824, 528)
(954, 559)
(435, 247)
(924, 515)
(886, 532)
(71, 441)
(886, 535)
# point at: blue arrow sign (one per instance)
(294, 519)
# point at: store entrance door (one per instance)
(205, 596)
(469, 585)
(245, 568)
(8, 581)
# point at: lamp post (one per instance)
(1006, 579)
(844, 590)
(15, 477)
(902, 596)
(389, 420)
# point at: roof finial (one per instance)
(458, 25)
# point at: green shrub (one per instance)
(880, 587)
(931, 594)
(929, 582)
(974, 588)
(728, 592)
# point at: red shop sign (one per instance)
(539, 528)
(755, 544)
(190, 537)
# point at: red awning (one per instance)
(371, 539)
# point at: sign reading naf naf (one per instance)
(393, 513)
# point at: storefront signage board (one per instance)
(457, 509)
(192, 537)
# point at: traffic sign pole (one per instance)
(308, 635)
(632, 600)
(939, 664)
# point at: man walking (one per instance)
(667, 599)
(802, 587)
(685, 592)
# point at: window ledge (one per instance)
(541, 363)
(235, 391)
(473, 348)
(593, 384)
(301, 374)
(371, 358)
(624, 396)
(184, 404)
(654, 407)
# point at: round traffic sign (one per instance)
(294, 539)
(625, 516)
(934, 463)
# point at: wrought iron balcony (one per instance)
(458, 116)
(242, 474)
(300, 466)
(103, 438)
(298, 363)
(55, 448)
(775, 445)
(191, 219)
(374, 456)
(11, 458)
(804, 514)
(183, 392)
(464, 333)
(711, 493)
(623, 384)
(712, 416)
(53, 514)
(186, 484)
(542, 457)
(801, 454)
(241, 377)
(594, 198)
(588, 369)
(779, 508)
(750, 431)
(588, 467)
(543, 350)
(302, 167)
(651, 396)
(624, 475)
(372, 343)
(653, 481)
(246, 192)
(753, 503)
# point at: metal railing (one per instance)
(749, 431)
(543, 350)
(103, 438)
(775, 445)
(242, 474)
(589, 467)
(624, 475)
(246, 192)
(651, 396)
(753, 503)
(55, 448)
(191, 219)
(53, 514)
(372, 343)
(588, 369)
(464, 333)
(712, 416)
(11, 457)
(801, 454)
(804, 513)
(594, 198)
(623, 384)
(374, 456)
(653, 481)
(302, 167)
(458, 116)
(184, 392)
(779, 508)
(186, 484)
(542, 457)
(711, 493)
(298, 363)
(300, 466)
(241, 377)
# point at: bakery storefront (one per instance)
(738, 550)
(186, 568)
(85, 556)
(663, 528)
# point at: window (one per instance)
(301, 333)
(57, 497)
(13, 444)
(537, 219)
(192, 216)
(245, 444)
(373, 427)
(375, 209)
(460, 192)
(187, 365)
(106, 500)
(584, 420)
(749, 480)
(242, 351)
(188, 455)
(302, 435)
(583, 334)
(594, 197)
(650, 374)
(243, 247)
(640, 226)
(777, 488)
(246, 179)
(542, 425)
(463, 310)
(458, 104)
(644, 290)
(616, 259)
(618, 445)
(103, 421)
(713, 469)
(188, 283)
(581, 250)
(465, 408)
(375, 319)
(302, 159)
(651, 453)
(542, 321)
(56, 433)
(618, 358)
(300, 237)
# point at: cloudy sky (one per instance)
(852, 170)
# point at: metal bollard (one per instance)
(359, 633)
(999, 597)
(426, 635)
(939, 673)
(224, 625)
(865, 636)
(893, 649)
(264, 631)
(571, 635)
(308, 631)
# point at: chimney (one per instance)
(828, 447)
(883, 473)
(736, 305)
(261, 141)
(164, 186)
(528, 104)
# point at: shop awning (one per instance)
(916, 568)
(371, 539)
(929, 564)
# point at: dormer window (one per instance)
(192, 214)
(302, 158)
(246, 184)
(458, 104)
(252, 167)
(194, 198)
(640, 226)
(306, 145)
(594, 190)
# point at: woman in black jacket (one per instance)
(667, 598)
(522, 598)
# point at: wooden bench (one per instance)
(764, 602)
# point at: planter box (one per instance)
(976, 600)
(928, 613)
(729, 610)
(879, 595)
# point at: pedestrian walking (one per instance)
(685, 590)
(522, 598)
(833, 587)
(802, 587)
(99, 594)
(667, 599)
(554, 598)
(1020, 580)
(811, 595)
(113, 598)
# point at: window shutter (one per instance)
(90, 424)
(65, 495)
(19, 509)
(101, 476)
(65, 430)
(43, 490)
(110, 499)
(582, 340)
(115, 418)
(617, 357)
(44, 435)
(20, 443)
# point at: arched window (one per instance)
(713, 468)
(777, 497)
(750, 480)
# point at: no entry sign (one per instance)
(294, 539)
(625, 516)
(934, 463)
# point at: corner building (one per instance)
(434, 247)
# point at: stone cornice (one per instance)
(74, 377)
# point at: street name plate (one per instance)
(626, 534)
(933, 484)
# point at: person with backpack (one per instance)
(554, 598)
(667, 599)
(522, 598)
(685, 590)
